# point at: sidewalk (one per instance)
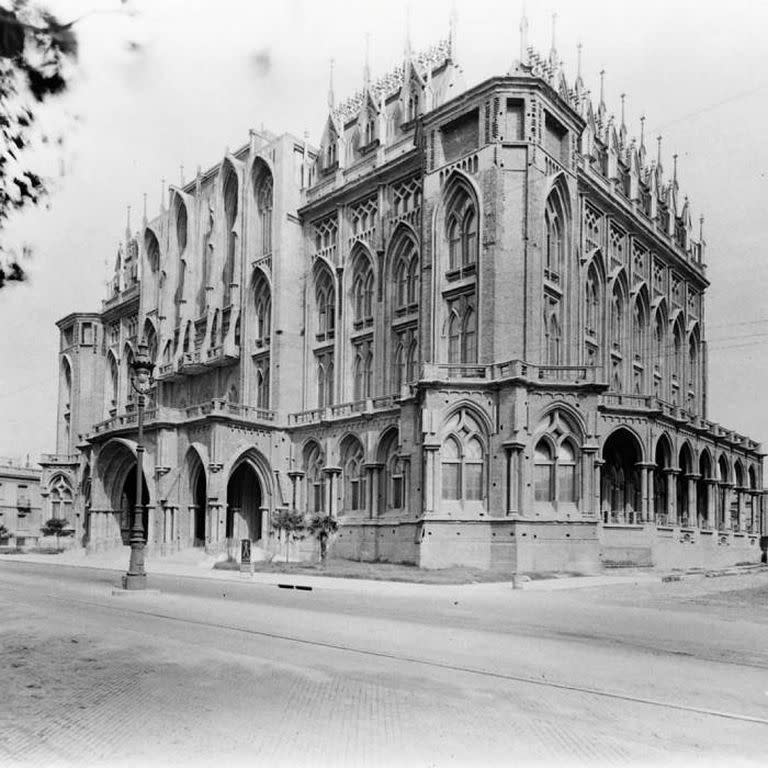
(195, 564)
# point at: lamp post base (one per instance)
(134, 581)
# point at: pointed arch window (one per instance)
(413, 105)
(555, 469)
(592, 302)
(314, 467)
(264, 203)
(353, 469)
(552, 338)
(406, 276)
(263, 304)
(60, 499)
(262, 384)
(230, 215)
(463, 459)
(325, 298)
(461, 231)
(462, 330)
(362, 291)
(659, 353)
(639, 325)
(617, 320)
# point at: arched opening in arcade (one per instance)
(128, 504)
(662, 476)
(244, 503)
(703, 490)
(621, 496)
(198, 498)
(684, 485)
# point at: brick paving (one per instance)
(101, 684)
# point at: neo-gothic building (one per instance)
(470, 325)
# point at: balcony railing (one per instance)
(343, 410)
(565, 374)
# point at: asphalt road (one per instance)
(251, 674)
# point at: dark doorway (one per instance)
(128, 504)
(621, 485)
(200, 500)
(244, 504)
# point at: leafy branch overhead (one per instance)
(35, 49)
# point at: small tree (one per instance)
(322, 528)
(54, 527)
(290, 524)
(5, 534)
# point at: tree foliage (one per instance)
(322, 527)
(55, 527)
(4, 533)
(35, 49)
(289, 524)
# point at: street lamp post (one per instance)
(141, 381)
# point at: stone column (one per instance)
(295, 477)
(597, 489)
(713, 502)
(265, 524)
(331, 490)
(513, 450)
(372, 502)
(429, 482)
(646, 490)
(587, 493)
(671, 478)
(693, 502)
(725, 503)
(740, 507)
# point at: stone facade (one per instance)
(469, 325)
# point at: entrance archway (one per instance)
(244, 503)
(197, 499)
(621, 494)
(661, 474)
(128, 504)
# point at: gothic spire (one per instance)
(452, 33)
(367, 65)
(128, 224)
(408, 49)
(524, 37)
(331, 99)
(553, 49)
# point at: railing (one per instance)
(343, 410)
(60, 458)
(570, 374)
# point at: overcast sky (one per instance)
(202, 74)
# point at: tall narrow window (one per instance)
(230, 217)
(543, 465)
(461, 230)
(264, 204)
(463, 459)
(451, 472)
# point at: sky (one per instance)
(179, 81)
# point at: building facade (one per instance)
(21, 505)
(470, 325)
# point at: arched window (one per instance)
(678, 346)
(461, 230)
(215, 329)
(263, 304)
(399, 372)
(230, 216)
(544, 472)
(659, 353)
(462, 331)
(693, 363)
(463, 459)
(556, 234)
(60, 495)
(314, 465)
(413, 105)
(152, 247)
(592, 302)
(566, 472)
(406, 275)
(617, 319)
(552, 338)
(325, 297)
(262, 384)
(181, 226)
(354, 475)
(638, 331)
(411, 360)
(264, 201)
(392, 487)
(362, 290)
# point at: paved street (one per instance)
(250, 674)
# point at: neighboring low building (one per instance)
(21, 509)
(470, 325)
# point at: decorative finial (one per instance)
(579, 46)
(331, 99)
(674, 169)
(553, 49)
(642, 131)
(452, 32)
(658, 152)
(408, 51)
(181, 175)
(367, 65)
(701, 228)
(145, 208)
(128, 223)
(602, 88)
(623, 99)
(524, 37)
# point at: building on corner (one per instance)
(470, 325)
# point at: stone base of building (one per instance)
(670, 547)
(508, 546)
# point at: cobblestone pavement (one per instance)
(95, 679)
